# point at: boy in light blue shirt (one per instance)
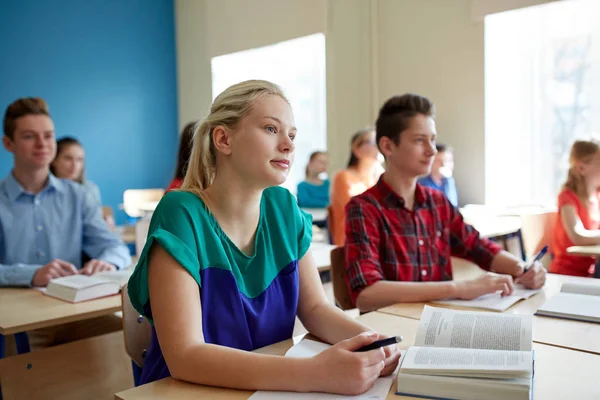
(440, 177)
(47, 223)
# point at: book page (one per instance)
(121, 277)
(494, 301)
(441, 327)
(443, 360)
(592, 288)
(572, 305)
(309, 348)
(77, 282)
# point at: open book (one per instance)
(309, 348)
(580, 301)
(469, 355)
(494, 301)
(76, 288)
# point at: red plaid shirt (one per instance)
(386, 241)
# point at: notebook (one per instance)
(309, 348)
(77, 288)
(469, 355)
(494, 301)
(579, 301)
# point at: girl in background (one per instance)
(69, 163)
(362, 172)
(578, 222)
(227, 267)
(183, 156)
(314, 191)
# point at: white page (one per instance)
(441, 327)
(310, 348)
(494, 301)
(434, 360)
(591, 288)
(572, 305)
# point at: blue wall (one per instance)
(107, 70)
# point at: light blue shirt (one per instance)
(58, 222)
(448, 187)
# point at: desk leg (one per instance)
(1, 347)
(520, 237)
(137, 373)
(22, 340)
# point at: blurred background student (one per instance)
(183, 156)
(440, 177)
(362, 172)
(314, 191)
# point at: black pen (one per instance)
(381, 343)
(537, 258)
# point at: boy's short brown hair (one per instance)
(21, 108)
(396, 113)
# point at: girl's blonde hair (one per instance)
(582, 151)
(227, 110)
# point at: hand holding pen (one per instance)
(534, 273)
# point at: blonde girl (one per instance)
(227, 266)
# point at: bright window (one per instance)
(542, 91)
(298, 66)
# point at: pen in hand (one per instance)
(381, 343)
(537, 258)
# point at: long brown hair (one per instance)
(185, 149)
(61, 145)
(312, 157)
(582, 151)
(357, 140)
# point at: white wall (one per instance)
(375, 49)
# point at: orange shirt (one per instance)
(568, 264)
(346, 184)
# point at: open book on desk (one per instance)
(309, 348)
(494, 301)
(579, 301)
(469, 355)
(77, 288)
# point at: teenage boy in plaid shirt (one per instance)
(400, 235)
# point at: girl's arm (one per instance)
(579, 235)
(177, 313)
(325, 320)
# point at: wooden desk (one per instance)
(23, 310)
(560, 373)
(321, 253)
(565, 333)
(496, 226)
(591, 251)
(318, 214)
(93, 368)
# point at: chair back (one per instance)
(136, 330)
(338, 278)
(137, 201)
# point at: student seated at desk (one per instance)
(579, 211)
(400, 235)
(69, 163)
(227, 265)
(47, 223)
(440, 177)
(362, 172)
(314, 191)
(183, 156)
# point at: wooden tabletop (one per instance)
(592, 251)
(23, 310)
(321, 253)
(570, 334)
(559, 373)
(494, 226)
